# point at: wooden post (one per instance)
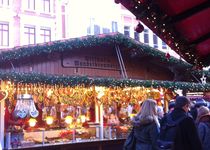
(2, 112)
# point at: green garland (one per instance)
(107, 82)
(84, 42)
(92, 41)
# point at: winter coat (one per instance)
(146, 131)
(186, 137)
(204, 134)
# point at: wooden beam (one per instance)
(188, 13)
(201, 39)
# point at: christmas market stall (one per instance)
(82, 93)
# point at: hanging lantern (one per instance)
(68, 119)
(32, 122)
(49, 120)
(139, 28)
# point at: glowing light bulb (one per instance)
(49, 120)
(68, 119)
(83, 118)
(32, 122)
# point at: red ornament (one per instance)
(117, 1)
(169, 42)
(139, 28)
(168, 56)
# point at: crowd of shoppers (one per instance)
(192, 130)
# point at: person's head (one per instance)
(149, 108)
(183, 103)
(203, 113)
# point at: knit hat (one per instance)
(202, 112)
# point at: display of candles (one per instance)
(32, 122)
(49, 120)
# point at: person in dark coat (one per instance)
(146, 126)
(186, 137)
(203, 122)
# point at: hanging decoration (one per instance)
(117, 1)
(25, 106)
(168, 56)
(203, 79)
(139, 28)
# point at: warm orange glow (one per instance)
(49, 120)
(32, 122)
(68, 119)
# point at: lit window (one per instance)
(146, 36)
(155, 41)
(4, 34)
(4, 2)
(126, 30)
(136, 36)
(31, 4)
(29, 33)
(114, 26)
(164, 46)
(45, 34)
(46, 5)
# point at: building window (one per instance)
(4, 2)
(136, 36)
(4, 34)
(90, 29)
(31, 4)
(29, 33)
(114, 26)
(45, 34)
(106, 30)
(155, 41)
(146, 36)
(96, 29)
(126, 30)
(164, 46)
(46, 5)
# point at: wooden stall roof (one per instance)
(134, 48)
(183, 24)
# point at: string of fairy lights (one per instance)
(152, 16)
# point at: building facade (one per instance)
(25, 22)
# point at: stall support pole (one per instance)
(2, 124)
(97, 119)
(101, 122)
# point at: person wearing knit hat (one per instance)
(203, 122)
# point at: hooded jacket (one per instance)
(146, 131)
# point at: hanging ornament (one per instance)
(168, 56)
(25, 106)
(139, 28)
(203, 79)
(117, 1)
